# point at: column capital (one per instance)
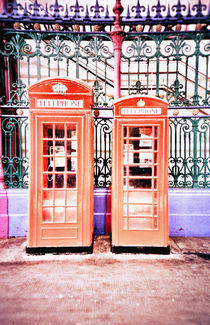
(117, 38)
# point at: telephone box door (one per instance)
(59, 186)
(139, 191)
(61, 176)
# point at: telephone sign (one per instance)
(140, 172)
(61, 177)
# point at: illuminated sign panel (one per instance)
(60, 103)
(141, 111)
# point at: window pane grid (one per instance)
(59, 169)
(141, 175)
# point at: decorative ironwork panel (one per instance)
(173, 66)
(77, 12)
(102, 159)
(39, 55)
(15, 157)
(189, 149)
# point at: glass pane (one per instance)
(145, 157)
(140, 223)
(48, 131)
(156, 145)
(71, 131)
(155, 197)
(47, 198)
(138, 210)
(155, 223)
(125, 224)
(71, 164)
(156, 131)
(133, 145)
(138, 171)
(59, 198)
(155, 183)
(59, 180)
(59, 214)
(71, 147)
(59, 131)
(146, 131)
(155, 170)
(155, 157)
(71, 198)
(47, 164)
(141, 210)
(59, 155)
(47, 147)
(134, 131)
(139, 197)
(140, 183)
(71, 180)
(155, 210)
(48, 180)
(125, 131)
(71, 214)
(47, 214)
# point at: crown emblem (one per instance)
(141, 103)
(59, 88)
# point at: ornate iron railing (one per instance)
(39, 55)
(189, 152)
(15, 157)
(75, 12)
(73, 40)
(172, 66)
(102, 159)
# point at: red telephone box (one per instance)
(61, 164)
(140, 173)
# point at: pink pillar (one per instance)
(4, 218)
(117, 36)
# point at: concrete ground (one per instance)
(105, 288)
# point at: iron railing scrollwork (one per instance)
(168, 65)
(15, 157)
(189, 148)
(39, 55)
(102, 159)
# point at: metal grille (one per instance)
(189, 149)
(189, 152)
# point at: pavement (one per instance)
(105, 288)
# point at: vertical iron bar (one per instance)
(9, 81)
(157, 68)
(105, 77)
(186, 76)
(28, 66)
(195, 167)
(48, 64)
(20, 158)
(206, 85)
(38, 57)
(148, 62)
(129, 78)
(167, 80)
(197, 53)
(96, 151)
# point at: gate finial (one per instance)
(117, 9)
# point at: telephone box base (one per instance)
(59, 250)
(140, 250)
